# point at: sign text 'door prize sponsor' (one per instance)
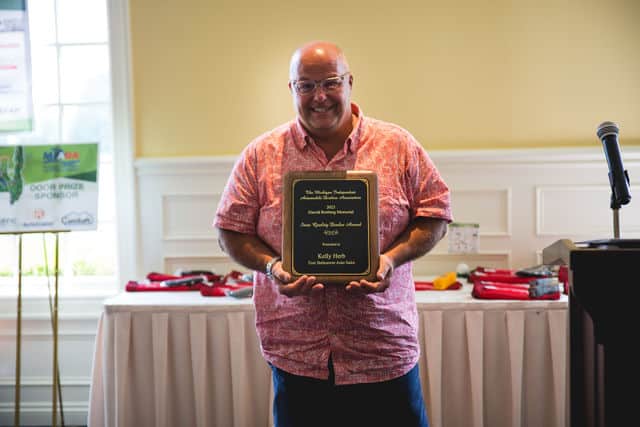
(48, 187)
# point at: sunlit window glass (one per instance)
(82, 21)
(84, 74)
(71, 87)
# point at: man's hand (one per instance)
(385, 271)
(248, 250)
(303, 285)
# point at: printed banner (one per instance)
(48, 187)
(16, 107)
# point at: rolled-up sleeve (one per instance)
(431, 196)
(238, 207)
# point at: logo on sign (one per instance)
(57, 154)
(78, 218)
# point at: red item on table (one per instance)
(133, 286)
(159, 277)
(503, 277)
(428, 286)
(490, 270)
(155, 282)
(488, 290)
(563, 277)
(503, 284)
(231, 281)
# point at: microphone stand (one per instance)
(615, 205)
(616, 222)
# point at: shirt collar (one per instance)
(301, 137)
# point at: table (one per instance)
(177, 358)
(493, 363)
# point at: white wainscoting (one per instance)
(523, 200)
(77, 326)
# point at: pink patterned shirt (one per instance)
(371, 337)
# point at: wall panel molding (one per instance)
(581, 209)
(524, 200)
(38, 413)
(514, 195)
(35, 381)
(188, 216)
(490, 207)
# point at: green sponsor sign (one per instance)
(48, 187)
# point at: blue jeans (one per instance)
(309, 402)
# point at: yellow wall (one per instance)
(210, 75)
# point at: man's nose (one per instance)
(319, 93)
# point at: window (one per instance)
(71, 75)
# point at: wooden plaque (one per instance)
(330, 225)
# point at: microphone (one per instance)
(618, 177)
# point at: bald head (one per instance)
(325, 109)
(315, 54)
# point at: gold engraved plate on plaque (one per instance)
(330, 225)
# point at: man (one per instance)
(339, 354)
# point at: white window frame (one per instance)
(128, 239)
(89, 304)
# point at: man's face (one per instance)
(327, 107)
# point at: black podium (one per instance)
(604, 316)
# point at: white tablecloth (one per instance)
(180, 359)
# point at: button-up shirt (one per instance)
(372, 337)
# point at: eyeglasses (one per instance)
(331, 84)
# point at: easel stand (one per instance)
(53, 309)
(16, 406)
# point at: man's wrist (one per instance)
(390, 260)
(268, 270)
